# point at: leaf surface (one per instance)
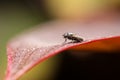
(37, 44)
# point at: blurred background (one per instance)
(19, 15)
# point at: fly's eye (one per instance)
(65, 34)
(70, 33)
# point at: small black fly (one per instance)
(74, 37)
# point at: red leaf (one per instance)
(30, 48)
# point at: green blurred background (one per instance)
(16, 16)
(19, 15)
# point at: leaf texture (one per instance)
(37, 44)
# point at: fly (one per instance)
(71, 36)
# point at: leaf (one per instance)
(39, 43)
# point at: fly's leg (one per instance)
(73, 41)
(65, 40)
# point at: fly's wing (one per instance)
(77, 37)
